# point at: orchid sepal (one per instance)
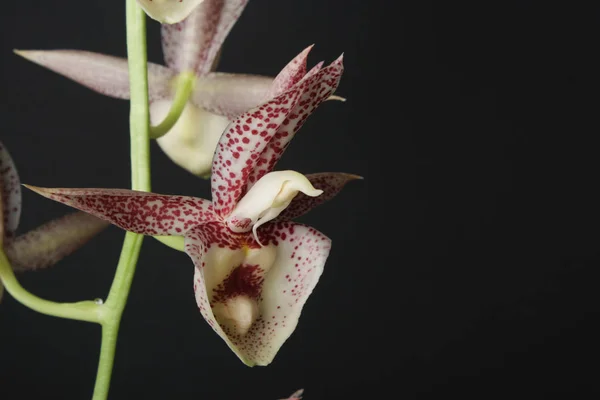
(49, 243)
(45, 245)
(168, 11)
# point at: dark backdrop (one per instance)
(465, 264)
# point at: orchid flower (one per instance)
(45, 245)
(191, 46)
(168, 11)
(254, 268)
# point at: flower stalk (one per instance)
(139, 121)
(185, 87)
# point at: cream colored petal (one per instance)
(267, 199)
(192, 141)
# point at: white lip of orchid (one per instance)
(237, 311)
(269, 196)
(192, 140)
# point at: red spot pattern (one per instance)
(316, 87)
(140, 212)
(237, 164)
(192, 44)
(33, 250)
(10, 194)
(243, 280)
(329, 182)
(301, 255)
(291, 74)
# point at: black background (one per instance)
(465, 264)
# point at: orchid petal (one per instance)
(193, 44)
(168, 11)
(239, 154)
(267, 199)
(240, 146)
(317, 86)
(291, 74)
(329, 182)
(104, 74)
(135, 211)
(10, 195)
(230, 95)
(49, 243)
(252, 297)
(192, 140)
(297, 395)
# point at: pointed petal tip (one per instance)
(46, 192)
(36, 189)
(336, 98)
(26, 54)
(352, 177)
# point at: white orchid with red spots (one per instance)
(168, 11)
(45, 245)
(254, 268)
(191, 46)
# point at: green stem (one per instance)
(185, 86)
(140, 180)
(114, 306)
(82, 311)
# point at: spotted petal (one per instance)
(168, 11)
(316, 87)
(193, 44)
(10, 195)
(329, 182)
(291, 74)
(134, 211)
(51, 242)
(230, 95)
(252, 296)
(241, 144)
(104, 74)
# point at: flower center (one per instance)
(269, 196)
(235, 286)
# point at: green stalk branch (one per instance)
(185, 87)
(83, 311)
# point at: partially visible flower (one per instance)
(297, 395)
(168, 11)
(254, 267)
(192, 46)
(45, 245)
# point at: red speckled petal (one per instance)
(134, 211)
(51, 242)
(329, 182)
(316, 87)
(104, 74)
(192, 44)
(301, 255)
(290, 74)
(10, 195)
(198, 241)
(298, 254)
(240, 146)
(168, 11)
(230, 95)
